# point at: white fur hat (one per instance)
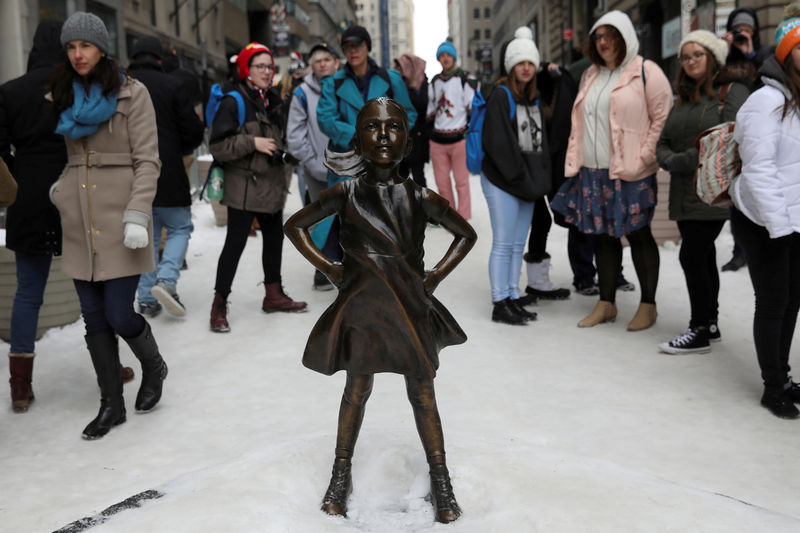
(522, 48)
(710, 42)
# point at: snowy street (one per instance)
(548, 427)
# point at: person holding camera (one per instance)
(255, 182)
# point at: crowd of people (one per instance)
(100, 155)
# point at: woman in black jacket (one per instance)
(515, 172)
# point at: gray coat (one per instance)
(304, 139)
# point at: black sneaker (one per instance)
(149, 309)
(555, 294)
(693, 340)
(587, 288)
(793, 391)
(780, 404)
(321, 282)
(625, 285)
(734, 264)
(713, 332)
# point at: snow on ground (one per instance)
(549, 428)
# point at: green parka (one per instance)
(676, 152)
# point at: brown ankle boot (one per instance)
(277, 300)
(219, 314)
(20, 366)
(602, 312)
(644, 318)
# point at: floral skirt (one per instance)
(596, 204)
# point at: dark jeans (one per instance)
(108, 306)
(32, 273)
(698, 258)
(774, 266)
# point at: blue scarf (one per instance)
(88, 111)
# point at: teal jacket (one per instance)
(338, 107)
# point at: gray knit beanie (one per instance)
(82, 26)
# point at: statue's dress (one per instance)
(383, 319)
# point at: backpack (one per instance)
(718, 161)
(475, 132)
(215, 180)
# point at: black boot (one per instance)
(779, 402)
(154, 369)
(340, 487)
(503, 311)
(445, 506)
(517, 306)
(104, 351)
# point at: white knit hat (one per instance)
(522, 48)
(710, 42)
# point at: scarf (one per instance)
(88, 111)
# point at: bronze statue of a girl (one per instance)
(385, 318)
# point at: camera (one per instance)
(739, 37)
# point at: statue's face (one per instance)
(382, 134)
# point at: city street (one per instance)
(548, 427)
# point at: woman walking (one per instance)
(515, 172)
(622, 104)
(702, 103)
(105, 197)
(766, 218)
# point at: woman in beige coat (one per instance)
(104, 197)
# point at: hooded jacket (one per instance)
(768, 189)
(304, 139)
(28, 122)
(180, 131)
(637, 110)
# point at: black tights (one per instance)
(239, 223)
(422, 396)
(644, 252)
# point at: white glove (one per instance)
(135, 236)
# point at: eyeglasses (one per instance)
(697, 56)
(351, 45)
(262, 67)
(607, 37)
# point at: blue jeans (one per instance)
(108, 306)
(511, 219)
(178, 221)
(32, 272)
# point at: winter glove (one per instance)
(669, 163)
(135, 236)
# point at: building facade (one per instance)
(471, 28)
(390, 24)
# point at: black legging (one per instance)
(239, 223)
(774, 267)
(698, 258)
(644, 252)
(540, 229)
